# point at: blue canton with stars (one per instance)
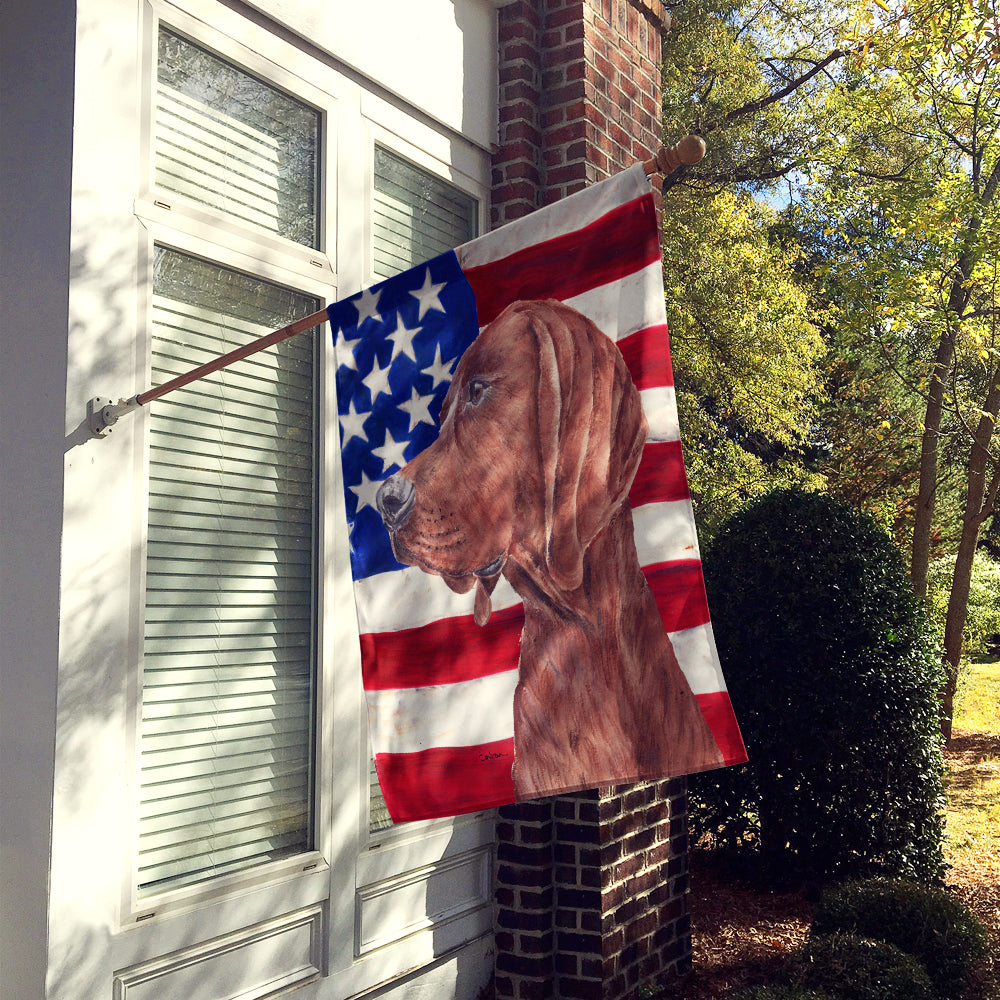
(397, 344)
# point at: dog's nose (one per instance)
(395, 500)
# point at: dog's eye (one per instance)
(477, 389)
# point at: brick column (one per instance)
(591, 889)
(579, 96)
(591, 893)
(524, 902)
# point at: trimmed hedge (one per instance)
(857, 968)
(925, 922)
(833, 672)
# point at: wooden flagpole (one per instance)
(260, 344)
(102, 414)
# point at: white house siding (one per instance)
(410, 915)
(36, 112)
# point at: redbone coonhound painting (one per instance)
(541, 434)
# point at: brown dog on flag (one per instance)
(541, 434)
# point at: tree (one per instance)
(747, 352)
(914, 186)
(866, 436)
(747, 356)
(746, 76)
(879, 121)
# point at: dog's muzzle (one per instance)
(395, 499)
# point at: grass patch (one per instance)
(978, 699)
(973, 812)
(973, 781)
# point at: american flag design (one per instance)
(439, 687)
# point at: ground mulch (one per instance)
(742, 934)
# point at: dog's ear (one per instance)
(591, 429)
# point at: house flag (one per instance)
(527, 581)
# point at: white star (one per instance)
(353, 423)
(365, 492)
(344, 353)
(439, 371)
(428, 295)
(391, 452)
(377, 380)
(402, 341)
(367, 306)
(419, 409)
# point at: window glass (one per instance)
(231, 141)
(416, 215)
(228, 685)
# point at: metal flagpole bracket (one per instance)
(103, 413)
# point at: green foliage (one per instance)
(857, 968)
(905, 191)
(746, 353)
(983, 613)
(723, 61)
(870, 430)
(748, 358)
(924, 921)
(833, 672)
(877, 126)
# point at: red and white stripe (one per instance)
(441, 725)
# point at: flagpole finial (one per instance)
(688, 151)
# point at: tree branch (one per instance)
(754, 106)
(899, 176)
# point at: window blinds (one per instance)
(227, 681)
(415, 216)
(225, 139)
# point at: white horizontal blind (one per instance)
(228, 140)
(228, 659)
(415, 216)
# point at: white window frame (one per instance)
(180, 224)
(182, 240)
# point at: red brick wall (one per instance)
(591, 889)
(579, 96)
(591, 893)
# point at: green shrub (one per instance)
(856, 968)
(925, 922)
(833, 673)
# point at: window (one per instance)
(229, 646)
(225, 139)
(416, 215)
(210, 828)
(227, 706)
